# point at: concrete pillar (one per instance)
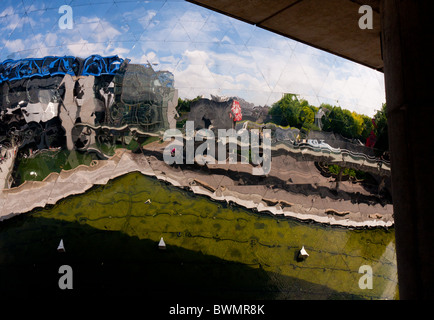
(407, 41)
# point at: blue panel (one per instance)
(95, 65)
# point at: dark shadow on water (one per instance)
(111, 263)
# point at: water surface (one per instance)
(213, 250)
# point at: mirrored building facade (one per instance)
(73, 73)
(71, 102)
(87, 91)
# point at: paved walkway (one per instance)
(7, 159)
(298, 190)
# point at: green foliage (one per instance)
(180, 124)
(335, 169)
(184, 105)
(341, 121)
(149, 140)
(39, 166)
(382, 129)
(133, 145)
(290, 111)
(367, 127)
(306, 116)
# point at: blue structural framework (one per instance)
(95, 65)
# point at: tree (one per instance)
(358, 122)
(341, 121)
(381, 130)
(368, 126)
(350, 127)
(289, 111)
(334, 120)
(300, 114)
(285, 111)
(184, 105)
(306, 118)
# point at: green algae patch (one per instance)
(211, 240)
(39, 166)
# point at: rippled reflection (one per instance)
(120, 75)
(212, 229)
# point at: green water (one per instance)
(38, 167)
(111, 236)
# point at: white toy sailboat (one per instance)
(61, 247)
(302, 254)
(162, 244)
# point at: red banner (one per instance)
(236, 111)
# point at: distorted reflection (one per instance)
(88, 104)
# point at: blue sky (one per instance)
(208, 53)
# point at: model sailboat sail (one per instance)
(302, 254)
(61, 247)
(162, 244)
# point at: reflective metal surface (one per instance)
(87, 94)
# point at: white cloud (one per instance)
(208, 54)
(266, 77)
(7, 11)
(15, 45)
(51, 39)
